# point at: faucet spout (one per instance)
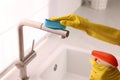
(39, 25)
(22, 58)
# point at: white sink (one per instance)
(66, 63)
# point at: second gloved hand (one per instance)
(102, 72)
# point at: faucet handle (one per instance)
(33, 43)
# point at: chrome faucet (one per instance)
(24, 60)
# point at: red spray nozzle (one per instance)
(107, 57)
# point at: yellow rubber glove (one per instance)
(99, 31)
(101, 72)
(72, 20)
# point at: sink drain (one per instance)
(55, 67)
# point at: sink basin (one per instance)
(66, 63)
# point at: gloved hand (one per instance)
(72, 20)
(102, 72)
(99, 31)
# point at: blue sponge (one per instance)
(54, 24)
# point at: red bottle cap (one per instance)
(107, 57)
